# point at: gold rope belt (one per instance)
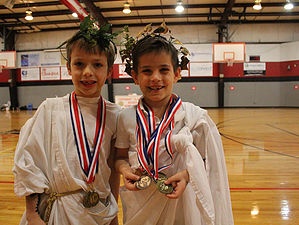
(52, 197)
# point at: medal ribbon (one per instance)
(148, 136)
(88, 160)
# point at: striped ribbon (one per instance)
(88, 159)
(149, 136)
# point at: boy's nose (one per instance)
(156, 75)
(88, 71)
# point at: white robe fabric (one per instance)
(46, 160)
(206, 199)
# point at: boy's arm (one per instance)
(115, 176)
(114, 179)
(32, 215)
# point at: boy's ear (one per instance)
(177, 75)
(109, 74)
(68, 68)
(134, 76)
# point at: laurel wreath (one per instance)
(94, 34)
(129, 43)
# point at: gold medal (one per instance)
(91, 199)
(144, 182)
(162, 187)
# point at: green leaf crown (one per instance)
(94, 34)
(129, 43)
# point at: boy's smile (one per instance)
(156, 88)
(88, 83)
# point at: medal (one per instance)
(162, 187)
(91, 199)
(144, 182)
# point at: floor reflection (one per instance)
(254, 210)
(284, 209)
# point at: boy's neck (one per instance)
(158, 108)
(159, 111)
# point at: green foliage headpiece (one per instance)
(130, 42)
(94, 34)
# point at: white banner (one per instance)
(50, 73)
(30, 74)
(64, 73)
(199, 69)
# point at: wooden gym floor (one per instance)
(262, 155)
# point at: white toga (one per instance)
(206, 199)
(46, 160)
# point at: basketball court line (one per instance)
(255, 139)
(265, 189)
(220, 125)
(286, 131)
(6, 182)
(257, 147)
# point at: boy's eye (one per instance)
(98, 65)
(78, 64)
(146, 71)
(164, 70)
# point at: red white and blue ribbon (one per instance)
(88, 159)
(149, 136)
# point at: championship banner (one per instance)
(76, 7)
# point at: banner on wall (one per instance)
(64, 75)
(30, 74)
(41, 58)
(254, 69)
(127, 100)
(29, 59)
(50, 73)
(50, 58)
(63, 59)
(200, 69)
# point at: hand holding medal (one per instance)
(173, 186)
(179, 183)
(162, 187)
(145, 181)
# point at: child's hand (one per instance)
(129, 179)
(179, 182)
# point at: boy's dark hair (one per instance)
(154, 43)
(79, 40)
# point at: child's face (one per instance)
(156, 77)
(89, 72)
